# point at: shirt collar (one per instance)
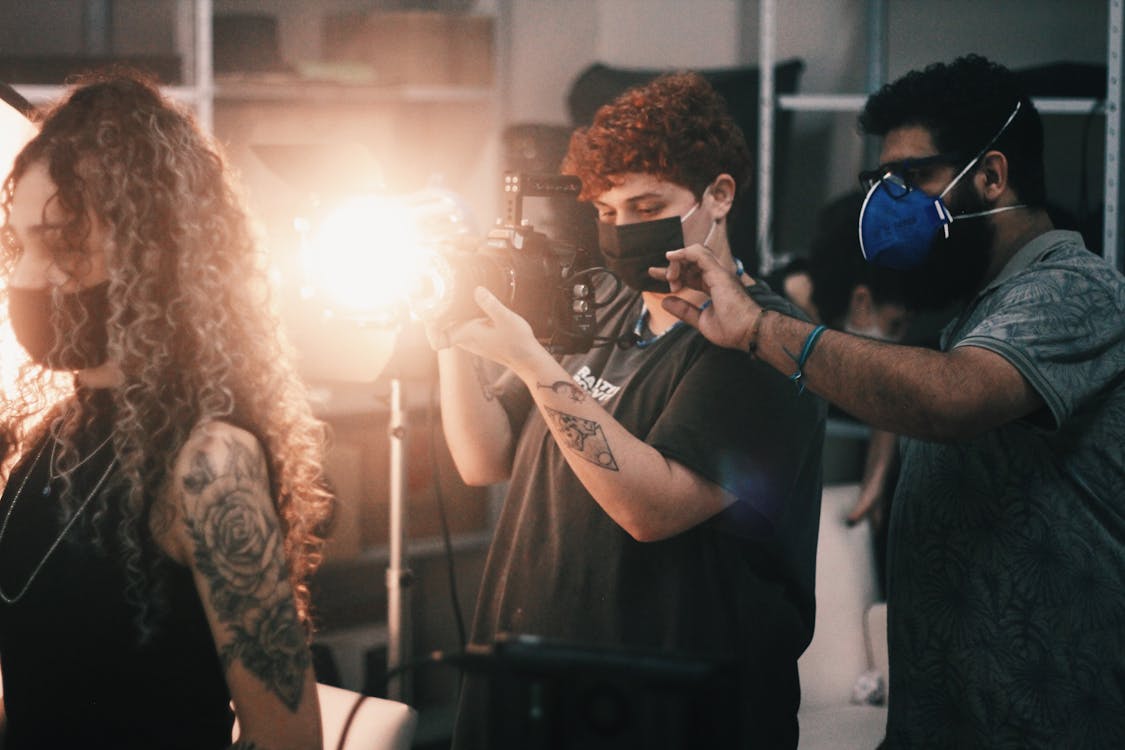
(1032, 252)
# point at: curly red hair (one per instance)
(675, 127)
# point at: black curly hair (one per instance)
(964, 104)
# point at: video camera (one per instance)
(549, 283)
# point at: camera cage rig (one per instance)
(549, 283)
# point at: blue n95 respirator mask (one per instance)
(898, 223)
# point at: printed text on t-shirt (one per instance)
(596, 387)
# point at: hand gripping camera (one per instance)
(550, 284)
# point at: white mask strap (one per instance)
(987, 146)
(988, 212)
(711, 231)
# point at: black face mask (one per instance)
(32, 311)
(630, 249)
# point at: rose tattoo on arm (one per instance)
(238, 549)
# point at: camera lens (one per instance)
(432, 292)
(444, 291)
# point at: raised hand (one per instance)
(729, 318)
(502, 336)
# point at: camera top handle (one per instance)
(520, 184)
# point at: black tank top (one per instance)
(75, 672)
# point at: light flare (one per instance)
(363, 259)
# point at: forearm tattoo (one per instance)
(482, 378)
(240, 552)
(566, 388)
(583, 436)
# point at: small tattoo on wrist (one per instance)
(565, 388)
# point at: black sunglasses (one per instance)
(904, 175)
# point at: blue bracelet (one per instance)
(810, 342)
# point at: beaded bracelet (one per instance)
(798, 376)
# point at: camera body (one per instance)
(539, 278)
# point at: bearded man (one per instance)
(1006, 559)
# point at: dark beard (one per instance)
(955, 267)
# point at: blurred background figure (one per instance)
(836, 286)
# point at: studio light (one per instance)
(363, 258)
(360, 259)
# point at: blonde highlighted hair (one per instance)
(191, 324)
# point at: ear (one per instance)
(721, 193)
(861, 306)
(992, 176)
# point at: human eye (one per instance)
(912, 176)
(63, 254)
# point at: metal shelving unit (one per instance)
(196, 46)
(769, 103)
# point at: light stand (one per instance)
(412, 360)
(398, 577)
(337, 172)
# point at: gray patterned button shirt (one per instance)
(1006, 568)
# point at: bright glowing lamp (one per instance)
(362, 258)
(359, 261)
(362, 255)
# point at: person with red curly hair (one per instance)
(663, 493)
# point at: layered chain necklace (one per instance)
(51, 477)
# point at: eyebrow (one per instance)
(925, 160)
(35, 230)
(637, 199)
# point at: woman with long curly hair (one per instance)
(160, 521)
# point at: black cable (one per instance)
(447, 538)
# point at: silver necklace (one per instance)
(51, 474)
(62, 534)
